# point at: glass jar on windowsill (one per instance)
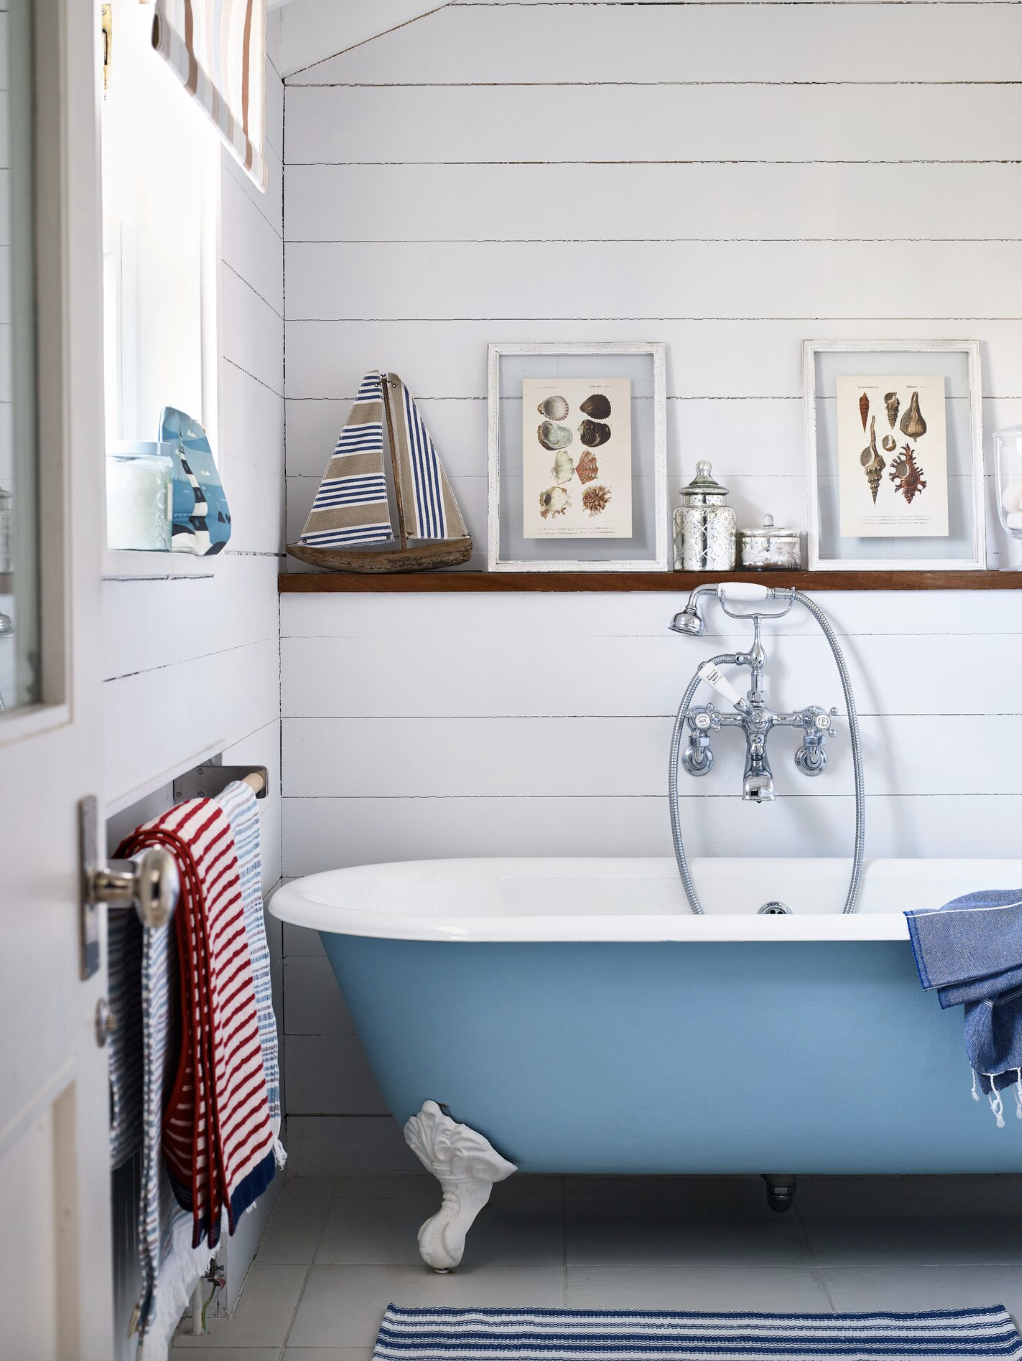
(139, 498)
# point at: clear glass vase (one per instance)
(1008, 454)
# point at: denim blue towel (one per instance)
(970, 950)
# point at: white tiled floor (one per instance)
(335, 1253)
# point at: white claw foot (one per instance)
(466, 1166)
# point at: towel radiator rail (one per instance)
(148, 882)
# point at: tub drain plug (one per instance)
(774, 910)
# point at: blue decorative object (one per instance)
(202, 520)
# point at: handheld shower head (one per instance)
(688, 621)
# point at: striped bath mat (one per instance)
(592, 1335)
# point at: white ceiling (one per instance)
(313, 30)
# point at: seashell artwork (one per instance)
(553, 502)
(907, 476)
(553, 437)
(554, 408)
(596, 499)
(889, 443)
(597, 406)
(912, 423)
(864, 409)
(893, 407)
(587, 467)
(872, 461)
(593, 434)
(564, 467)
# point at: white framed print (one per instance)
(894, 455)
(577, 461)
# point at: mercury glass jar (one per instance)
(705, 529)
(766, 546)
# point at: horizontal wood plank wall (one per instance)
(193, 661)
(731, 179)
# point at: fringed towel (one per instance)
(441, 1334)
(239, 803)
(970, 950)
(175, 1241)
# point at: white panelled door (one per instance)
(55, 1301)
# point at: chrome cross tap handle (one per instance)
(818, 725)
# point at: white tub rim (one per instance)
(462, 900)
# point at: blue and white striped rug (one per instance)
(595, 1335)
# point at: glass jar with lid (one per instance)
(705, 527)
(767, 547)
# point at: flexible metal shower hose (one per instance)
(729, 658)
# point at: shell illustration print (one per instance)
(912, 423)
(564, 467)
(553, 502)
(583, 428)
(907, 476)
(554, 408)
(553, 437)
(587, 467)
(864, 410)
(597, 406)
(593, 433)
(596, 499)
(873, 461)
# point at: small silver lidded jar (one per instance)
(766, 547)
(705, 529)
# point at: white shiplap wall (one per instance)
(194, 662)
(730, 178)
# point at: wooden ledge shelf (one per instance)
(447, 582)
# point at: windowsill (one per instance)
(127, 565)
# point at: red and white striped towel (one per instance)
(217, 1136)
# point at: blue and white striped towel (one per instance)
(124, 1051)
(239, 803)
(591, 1335)
(146, 1065)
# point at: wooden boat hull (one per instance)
(418, 558)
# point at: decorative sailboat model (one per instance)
(351, 524)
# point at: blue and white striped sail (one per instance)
(430, 510)
(351, 508)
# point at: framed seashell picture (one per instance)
(894, 455)
(577, 457)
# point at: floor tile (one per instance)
(987, 1195)
(931, 1287)
(365, 1232)
(264, 1313)
(293, 1231)
(374, 1231)
(640, 1234)
(771, 1289)
(734, 1191)
(344, 1305)
(913, 1240)
(373, 1185)
(310, 1188)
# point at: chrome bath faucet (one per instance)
(752, 714)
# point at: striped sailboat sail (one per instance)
(351, 509)
(428, 505)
